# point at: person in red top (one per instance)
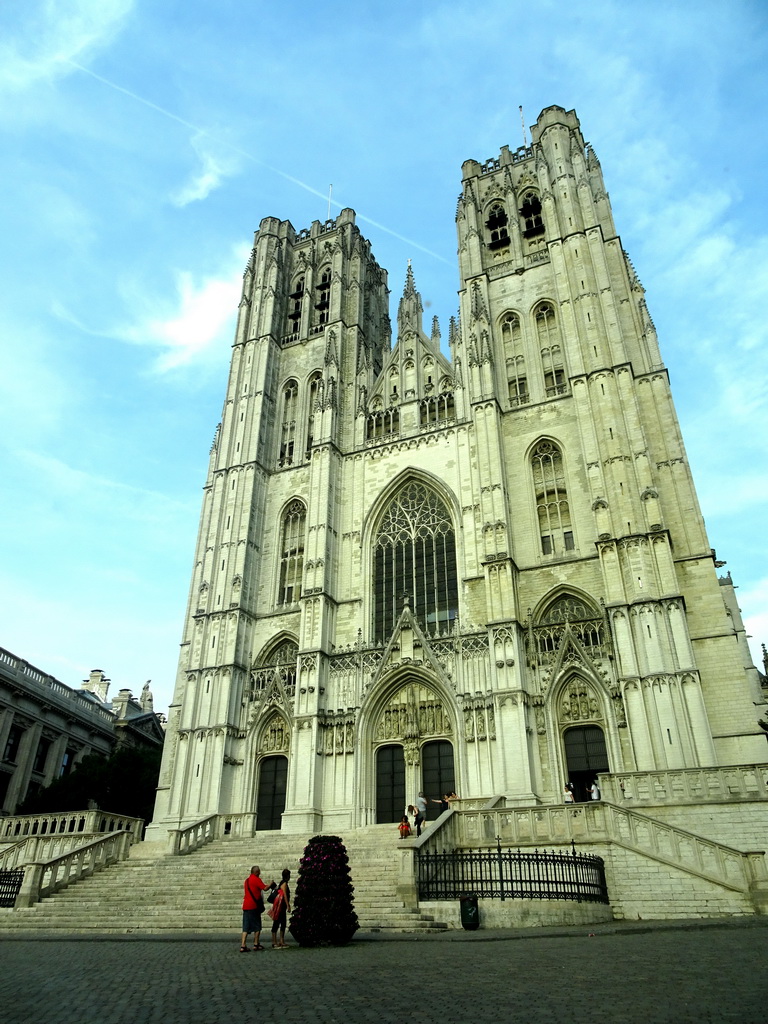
(253, 908)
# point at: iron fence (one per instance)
(512, 874)
(10, 883)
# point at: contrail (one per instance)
(248, 156)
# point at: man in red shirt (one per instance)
(253, 908)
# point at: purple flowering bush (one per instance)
(323, 913)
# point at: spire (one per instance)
(410, 310)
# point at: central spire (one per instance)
(410, 310)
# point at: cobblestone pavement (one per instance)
(712, 973)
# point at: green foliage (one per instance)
(323, 907)
(123, 783)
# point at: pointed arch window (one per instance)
(530, 212)
(517, 378)
(552, 509)
(415, 559)
(552, 365)
(315, 387)
(288, 428)
(292, 553)
(280, 661)
(323, 296)
(295, 303)
(585, 622)
(497, 225)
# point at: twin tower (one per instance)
(477, 566)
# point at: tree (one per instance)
(323, 913)
(123, 783)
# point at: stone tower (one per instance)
(414, 572)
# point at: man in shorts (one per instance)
(253, 908)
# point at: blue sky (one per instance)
(144, 140)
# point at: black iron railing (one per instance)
(10, 883)
(512, 874)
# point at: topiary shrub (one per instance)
(323, 912)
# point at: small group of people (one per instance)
(418, 812)
(569, 792)
(254, 888)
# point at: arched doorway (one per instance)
(273, 776)
(390, 783)
(585, 757)
(437, 773)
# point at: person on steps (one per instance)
(279, 911)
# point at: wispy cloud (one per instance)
(40, 39)
(214, 169)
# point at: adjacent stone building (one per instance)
(47, 728)
(484, 570)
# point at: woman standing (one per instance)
(280, 910)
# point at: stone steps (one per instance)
(202, 891)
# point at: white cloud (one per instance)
(204, 316)
(42, 38)
(212, 172)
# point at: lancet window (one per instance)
(383, 423)
(292, 553)
(315, 386)
(288, 427)
(552, 364)
(323, 296)
(517, 378)
(552, 510)
(497, 225)
(435, 409)
(415, 562)
(530, 212)
(295, 303)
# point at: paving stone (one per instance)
(707, 974)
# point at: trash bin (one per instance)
(470, 916)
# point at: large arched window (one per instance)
(415, 560)
(517, 378)
(552, 509)
(288, 429)
(292, 553)
(552, 365)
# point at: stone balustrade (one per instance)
(81, 823)
(602, 822)
(38, 848)
(44, 878)
(687, 785)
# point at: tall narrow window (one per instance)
(292, 559)
(288, 430)
(415, 560)
(498, 233)
(552, 509)
(530, 213)
(315, 384)
(515, 361)
(295, 302)
(551, 351)
(323, 296)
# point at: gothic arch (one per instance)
(560, 591)
(410, 707)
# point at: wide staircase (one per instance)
(202, 891)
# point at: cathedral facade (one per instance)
(485, 571)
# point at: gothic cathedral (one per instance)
(485, 571)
